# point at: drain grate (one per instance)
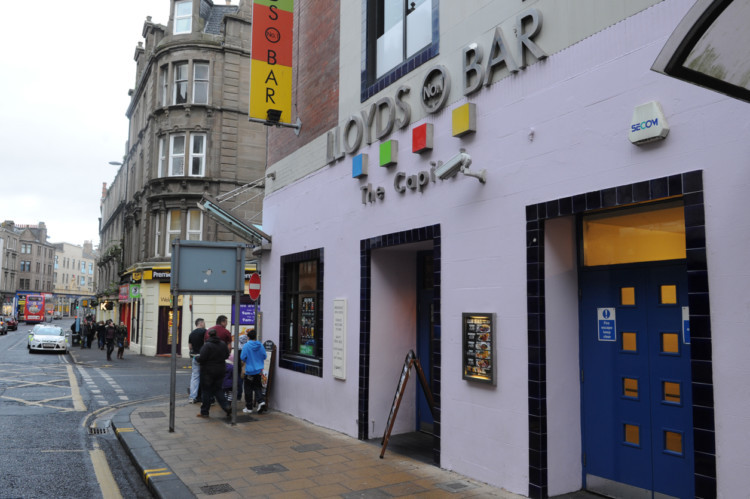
(221, 488)
(97, 431)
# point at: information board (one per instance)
(339, 339)
(479, 339)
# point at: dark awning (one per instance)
(711, 48)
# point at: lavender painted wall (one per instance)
(578, 103)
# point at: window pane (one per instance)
(627, 296)
(174, 221)
(200, 92)
(197, 144)
(178, 144)
(418, 27)
(194, 219)
(630, 387)
(629, 342)
(671, 392)
(668, 294)
(632, 434)
(308, 276)
(670, 343)
(200, 70)
(640, 234)
(673, 442)
(183, 8)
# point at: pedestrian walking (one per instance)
(121, 333)
(212, 358)
(109, 337)
(85, 334)
(221, 330)
(196, 340)
(100, 331)
(91, 333)
(254, 356)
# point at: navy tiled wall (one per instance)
(430, 233)
(690, 187)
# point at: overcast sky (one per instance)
(67, 69)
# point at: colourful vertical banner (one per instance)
(271, 59)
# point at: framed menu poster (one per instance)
(479, 339)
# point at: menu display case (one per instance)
(479, 339)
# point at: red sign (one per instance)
(253, 288)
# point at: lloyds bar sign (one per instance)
(271, 61)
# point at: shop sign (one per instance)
(124, 292)
(378, 121)
(271, 60)
(135, 291)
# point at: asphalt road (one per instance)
(55, 439)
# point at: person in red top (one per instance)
(221, 331)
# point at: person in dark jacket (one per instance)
(100, 330)
(212, 358)
(109, 336)
(121, 333)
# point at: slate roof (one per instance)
(216, 16)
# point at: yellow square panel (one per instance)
(464, 119)
(632, 434)
(668, 294)
(670, 343)
(629, 342)
(630, 387)
(671, 392)
(627, 296)
(673, 441)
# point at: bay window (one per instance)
(181, 149)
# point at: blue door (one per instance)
(635, 383)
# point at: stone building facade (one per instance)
(74, 277)
(189, 137)
(9, 266)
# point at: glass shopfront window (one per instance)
(301, 338)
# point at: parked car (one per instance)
(3, 326)
(12, 323)
(48, 338)
(57, 315)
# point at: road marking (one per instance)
(78, 404)
(107, 483)
(148, 474)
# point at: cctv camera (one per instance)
(451, 167)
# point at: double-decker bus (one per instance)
(34, 309)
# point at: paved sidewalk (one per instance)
(273, 455)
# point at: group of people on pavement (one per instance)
(108, 335)
(213, 366)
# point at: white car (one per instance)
(48, 338)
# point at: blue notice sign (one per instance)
(605, 318)
(247, 314)
(686, 325)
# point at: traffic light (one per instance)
(75, 304)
